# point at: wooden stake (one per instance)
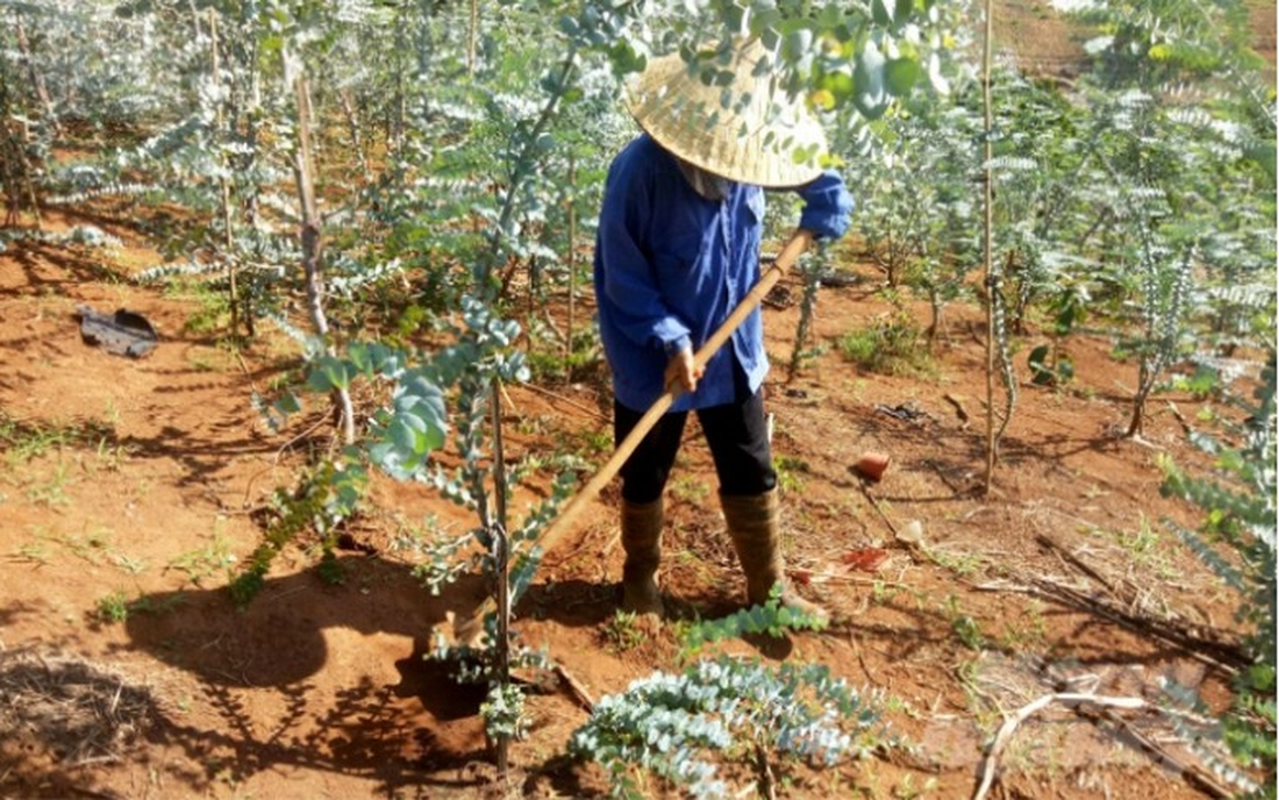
(472, 35)
(228, 238)
(572, 265)
(501, 553)
(988, 246)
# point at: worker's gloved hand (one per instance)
(681, 372)
(827, 206)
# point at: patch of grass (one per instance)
(959, 563)
(597, 443)
(907, 790)
(787, 467)
(967, 630)
(881, 593)
(208, 360)
(54, 492)
(92, 546)
(889, 346)
(213, 306)
(623, 632)
(591, 447)
(551, 367)
(128, 564)
(21, 441)
(214, 558)
(1029, 632)
(690, 490)
(113, 608)
(1147, 548)
(116, 607)
(37, 551)
(111, 456)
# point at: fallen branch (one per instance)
(1190, 771)
(875, 504)
(1029, 710)
(1227, 656)
(575, 688)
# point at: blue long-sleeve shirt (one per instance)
(670, 266)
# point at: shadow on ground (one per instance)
(255, 669)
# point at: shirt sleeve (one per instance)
(827, 206)
(629, 282)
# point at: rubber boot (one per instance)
(752, 523)
(642, 541)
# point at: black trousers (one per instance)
(737, 434)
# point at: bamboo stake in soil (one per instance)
(224, 185)
(988, 246)
(501, 551)
(572, 265)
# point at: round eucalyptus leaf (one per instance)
(901, 74)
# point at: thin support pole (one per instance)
(224, 185)
(572, 265)
(988, 248)
(501, 558)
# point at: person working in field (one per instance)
(677, 249)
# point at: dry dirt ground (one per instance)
(132, 486)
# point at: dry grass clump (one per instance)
(68, 710)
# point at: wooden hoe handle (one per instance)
(798, 243)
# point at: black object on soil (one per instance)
(124, 333)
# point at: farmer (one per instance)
(677, 250)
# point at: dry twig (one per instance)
(1027, 711)
(575, 688)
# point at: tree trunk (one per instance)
(37, 80)
(311, 246)
(224, 185)
(988, 246)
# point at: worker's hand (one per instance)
(828, 206)
(681, 372)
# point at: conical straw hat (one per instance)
(742, 129)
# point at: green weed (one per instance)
(959, 563)
(690, 490)
(1147, 547)
(36, 551)
(114, 608)
(1027, 633)
(623, 632)
(92, 546)
(22, 441)
(214, 558)
(111, 457)
(787, 468)
(54, 492)
(890, 346)
(965, 627)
